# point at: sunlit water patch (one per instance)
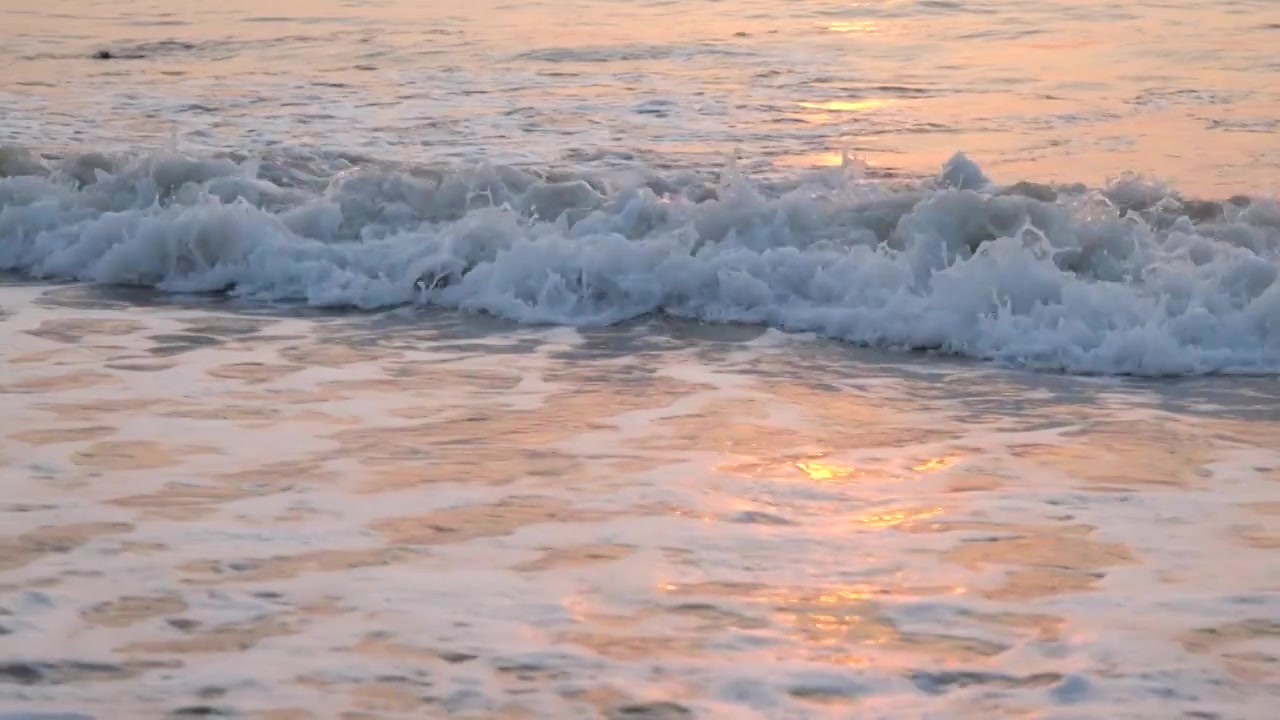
(418, 515)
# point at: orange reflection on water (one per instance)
(825, 471)
(938, 463)
(830, 158)
(861, 27)
(861, 592)
(842, 625)
(813, 467)
(848, 105)
(899, 517)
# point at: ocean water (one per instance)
(646, 360)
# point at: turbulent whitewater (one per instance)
(1130, 278)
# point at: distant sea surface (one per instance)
(1069, 91)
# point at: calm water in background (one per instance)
(1066, 90)
(510, 360)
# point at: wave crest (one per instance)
(1129, 278)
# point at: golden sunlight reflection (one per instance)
(861, 27)
(932, 464)
(860, 592)
(844, 624)
(897, 518)
(848, 105)
(825, 471)
(829, 158)
(836, 615)
(789, 596)
(836, 618)
(817, 468)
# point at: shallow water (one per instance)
(415, 515)
(643, 360)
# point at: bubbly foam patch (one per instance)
(1127, 279)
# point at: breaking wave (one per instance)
(1130, 278)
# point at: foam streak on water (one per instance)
(1129, 278)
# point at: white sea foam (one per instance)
(1128, 278)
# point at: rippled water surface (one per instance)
(1065, 90)
(279, 516)
(639, 360)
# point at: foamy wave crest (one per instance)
(1130, 278)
